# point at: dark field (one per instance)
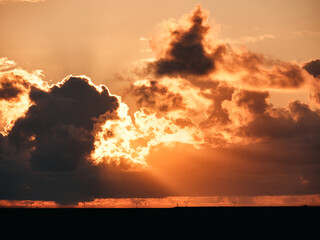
(294, 217)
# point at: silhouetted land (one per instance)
(174, 217)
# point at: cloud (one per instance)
(217, 115)
(249, 39)
(253, 70)
(6, 64)
(57, 128)
(313, 68)
(30, 1)
(305, 33)
(47, 152)
(254, 101)
(15, 84)
(86, 183)
(187, 53)
(155, 96)
(8, 90)
(297, 125)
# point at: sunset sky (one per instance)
(107, 102)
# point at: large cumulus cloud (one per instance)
(57, 128)
(46, 154)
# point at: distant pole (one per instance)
(234, 202)
(186, 202)
(136, 202)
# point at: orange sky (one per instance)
(204, 98)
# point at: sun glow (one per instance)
(128, 141)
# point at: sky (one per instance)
(209, 101)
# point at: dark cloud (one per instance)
(262, 71)
(88, 182)
(8, 90)
(254, 101)
(2, 139)
(58, 127)
(217, 114)
(286, 75)
(157, 97)
(12, 85)
(313, 67)
(187, 53)
(296, 125)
